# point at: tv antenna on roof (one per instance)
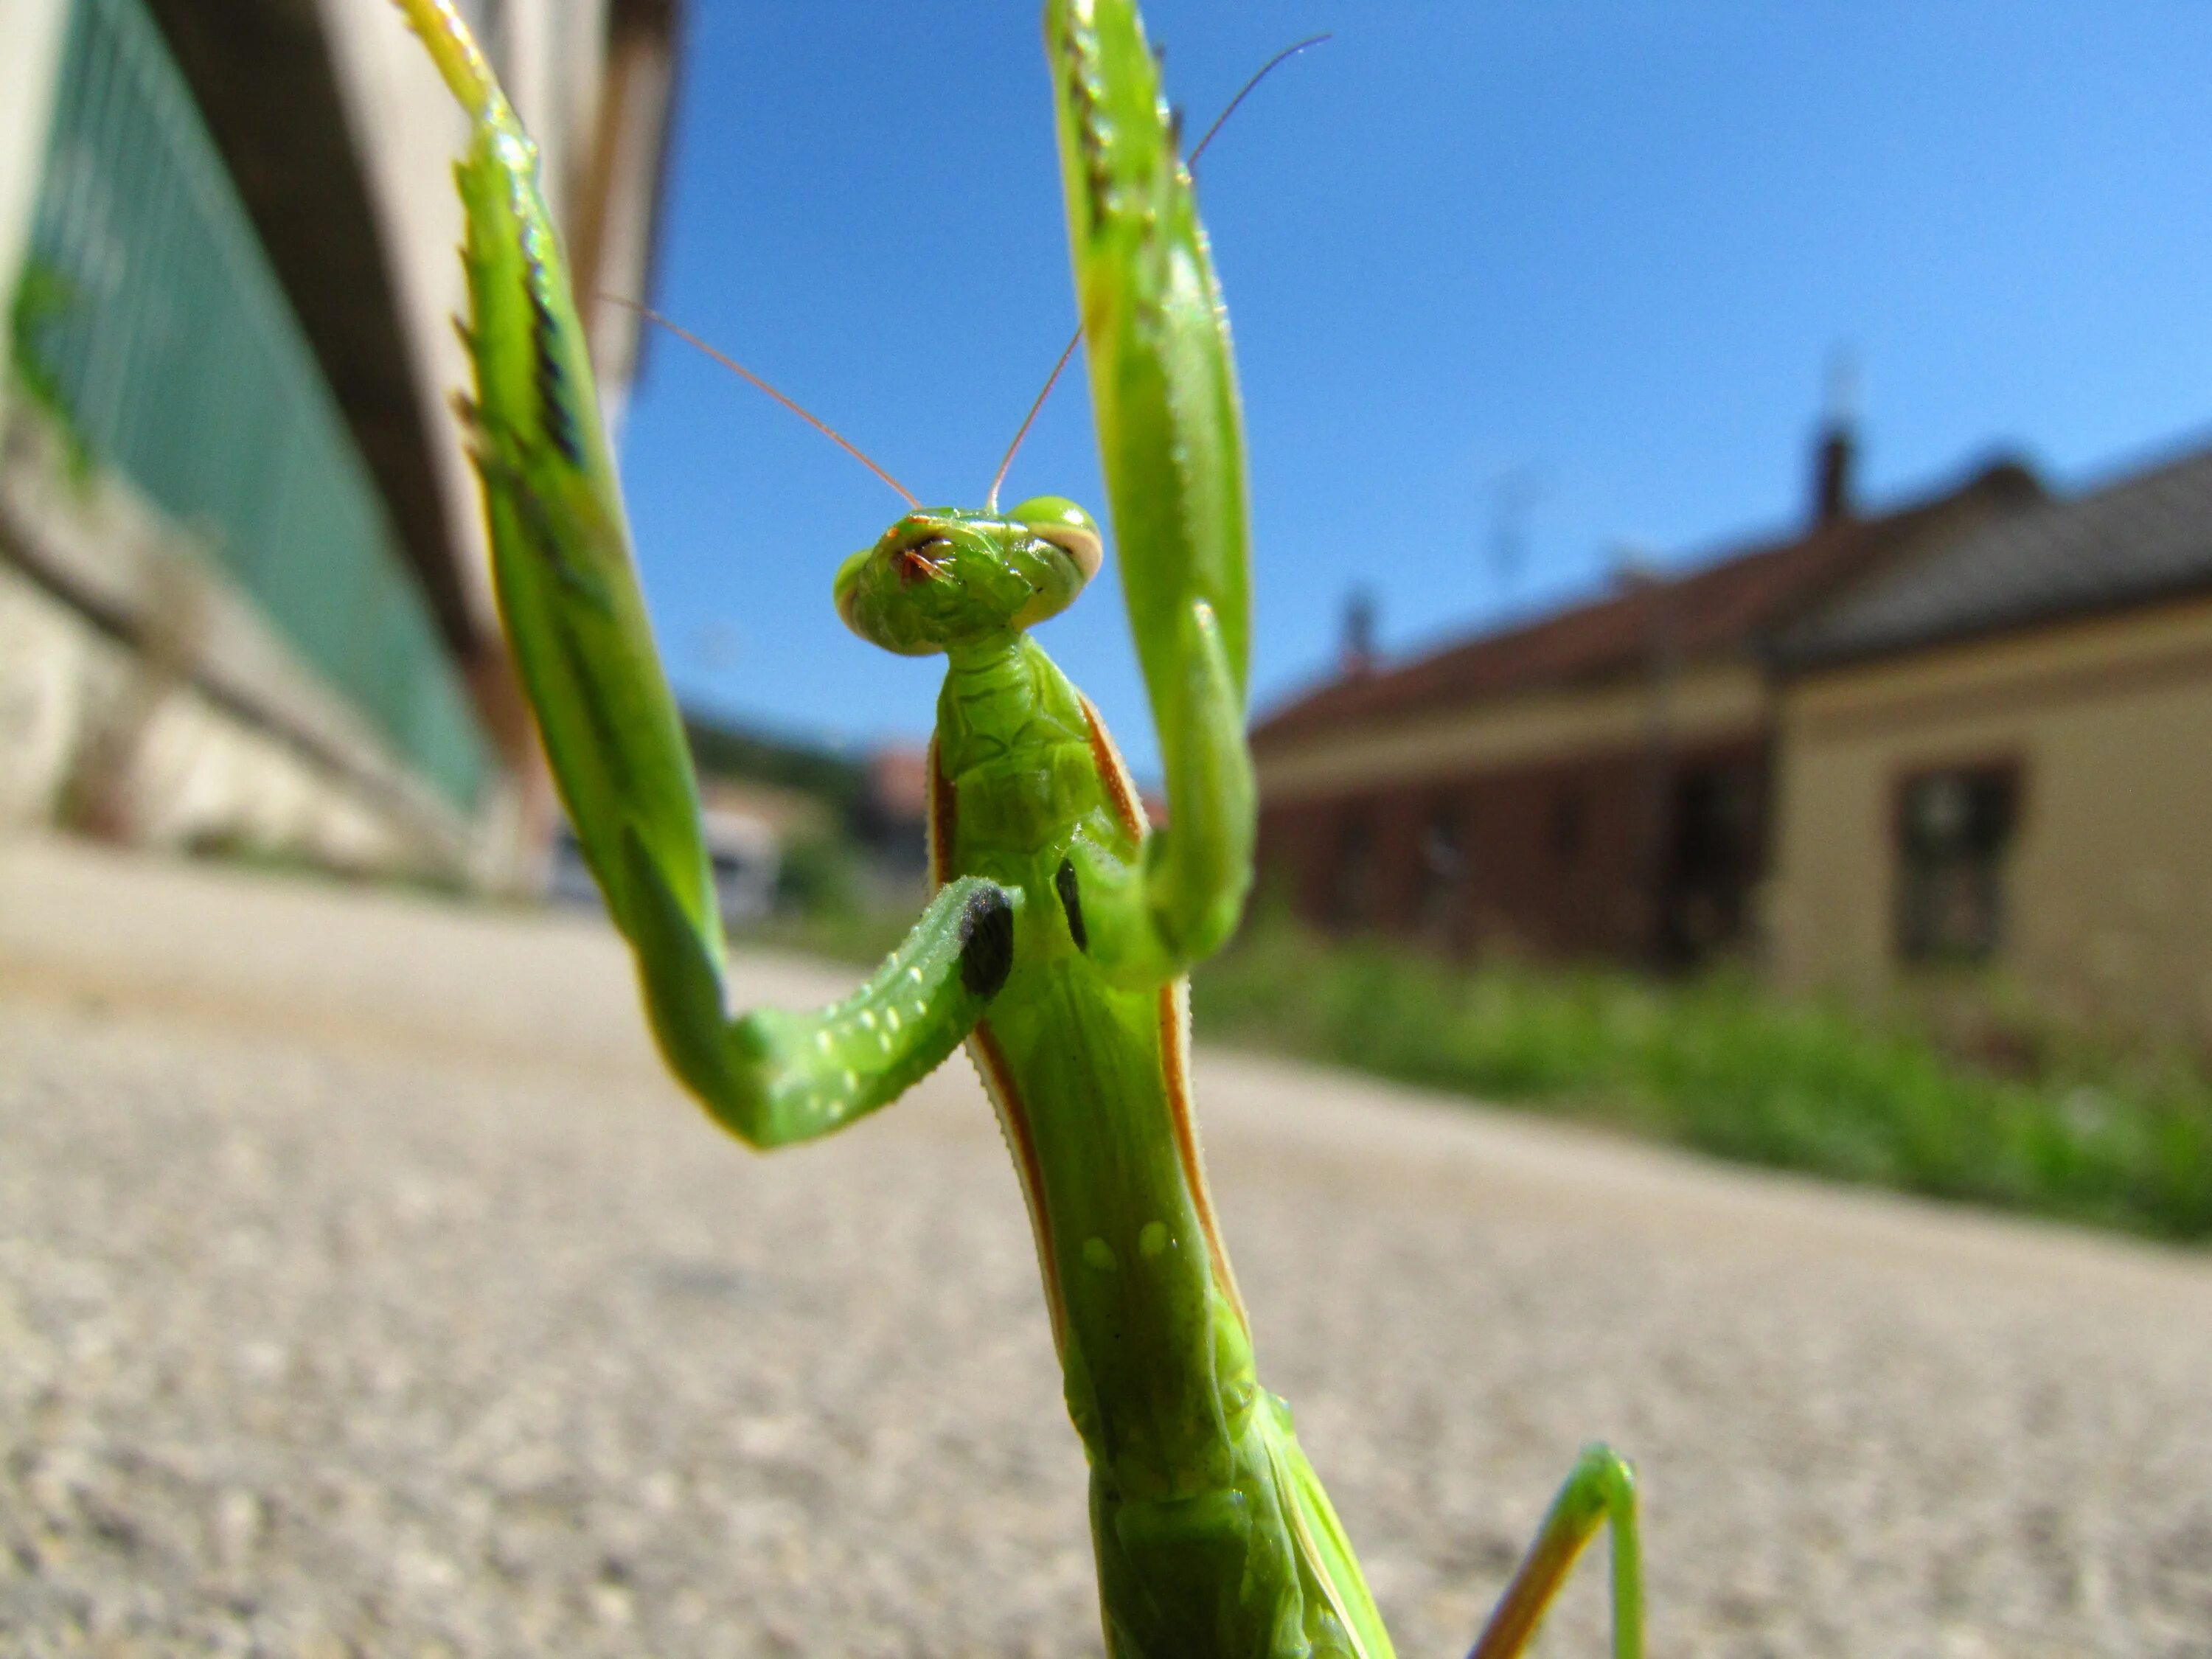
(1513, 493)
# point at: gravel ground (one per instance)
(363, 1290)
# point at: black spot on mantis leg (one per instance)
(560, 421)
(552, 380)
(987, 942)
(1070, 901)
(512, 484)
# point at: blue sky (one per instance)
(1592, 256)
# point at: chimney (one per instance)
(1836, 456)
(1358, 658)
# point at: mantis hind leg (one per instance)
(1600, 1490)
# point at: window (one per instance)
(1444, 871)
(1713, 860)
(1352, 888)
(1954, 832)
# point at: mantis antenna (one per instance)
(991, 501)
(747, 375)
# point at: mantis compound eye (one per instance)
(1056, 519)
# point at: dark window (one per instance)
(1444, 871)
(1954, 832)
(1351, 893)
(1712, 861)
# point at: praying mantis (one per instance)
(1062, 924)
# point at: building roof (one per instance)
(2146, 536)
(1731, 606)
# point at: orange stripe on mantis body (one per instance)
(1014, 1123)
(1114, 773)
(997, 1078)
(1175, 1072)
(944, 819)
(1174, 1019)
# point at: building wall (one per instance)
(1701, 703)
(2106, 724)
(94, 735)
(276, 702)
(1540, 857)
(143, 699)
(1550, 823)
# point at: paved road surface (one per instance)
(364, 1290)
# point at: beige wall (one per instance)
(1708, 703)
(2109, 885)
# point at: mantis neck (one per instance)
(1003, 705)
(990, 656)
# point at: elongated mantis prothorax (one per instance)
(1062, 922)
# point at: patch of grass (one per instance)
(2069, 1128)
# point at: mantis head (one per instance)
(942, 578)
(945, 577)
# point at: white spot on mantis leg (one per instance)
(1100, 1255)
(1153, 1239)
(822, 1040)
(892, 1018)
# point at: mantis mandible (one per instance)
(1062, 924)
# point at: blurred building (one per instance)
(243, 594)
(748, 828)
(1597, 782)
(1969, 732)
(2002, 754)
(891, 819)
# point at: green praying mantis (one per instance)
(1062, 924)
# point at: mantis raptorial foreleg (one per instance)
(771, 1077)
(1172, 437)
(1061, 922)
(570, 598)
